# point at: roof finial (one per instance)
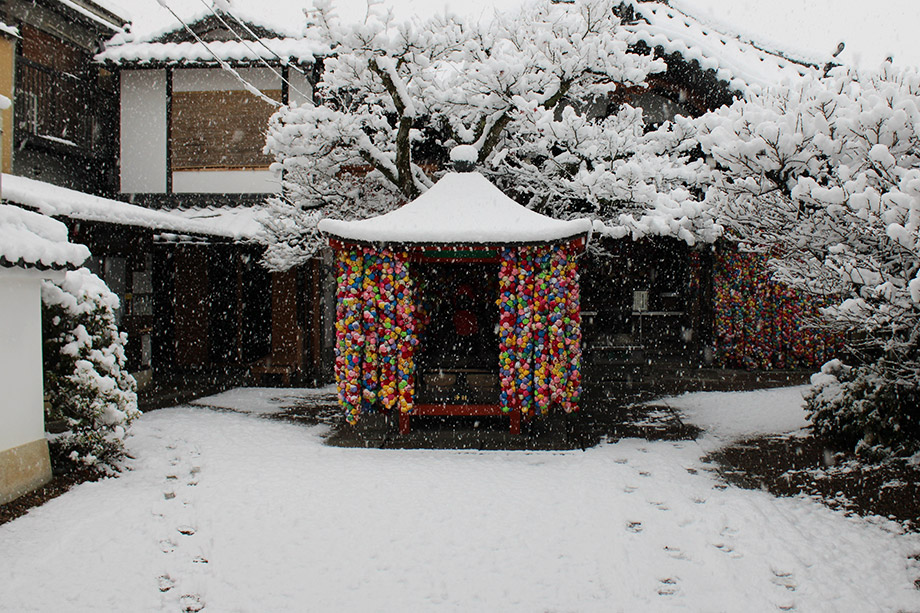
(464, 158)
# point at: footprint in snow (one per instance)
(784, 579)
(634, 526)
(191, 603)
(629, 489)
(186, 530)
(661, 506)
(668, 586)
(167, 545)
(727, 549)
(675, 553)
(165, 583)
(644, 473)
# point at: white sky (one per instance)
(871, 30)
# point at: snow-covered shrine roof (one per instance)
(737, 60)
(461, 208)
(56, 201)
(32, 240)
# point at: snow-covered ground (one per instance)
(727, 417)
(234, 512)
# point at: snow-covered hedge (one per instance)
(91, 394)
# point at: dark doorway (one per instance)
(458, 345)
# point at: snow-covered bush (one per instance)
(397, 97)
(824, 176)
(90, 393)
(859, 408)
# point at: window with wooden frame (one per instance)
(219, 130)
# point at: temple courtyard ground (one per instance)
(262, 500)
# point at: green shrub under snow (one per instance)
(91, 394)
(860, 408)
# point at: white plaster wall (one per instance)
(21, 399)
(143, 131)
(225, 182)
(218, 79)
(299, 85)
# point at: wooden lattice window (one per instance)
(219, 130)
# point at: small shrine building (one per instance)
(461, 302)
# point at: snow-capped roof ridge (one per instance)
(156, 22)
(461, 208)
(798, 55)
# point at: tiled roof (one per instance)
(740, 62)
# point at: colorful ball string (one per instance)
(348, 329)
(375, 332)
(507, 317)
(539, 329)
(524, 332)
(369, 298)
(758, 322)
(572, 327)
(405, 329)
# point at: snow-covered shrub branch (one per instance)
(89, 390)
(824, 176)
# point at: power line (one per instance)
(245, 43)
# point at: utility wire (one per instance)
(223, 64)
(245, 43)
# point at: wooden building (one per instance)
(191, 141)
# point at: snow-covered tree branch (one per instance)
(394, 98)
(825, 177)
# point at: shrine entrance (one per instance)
(458, 341)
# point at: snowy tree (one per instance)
(88, 388)
(397, 97)
(824, 175)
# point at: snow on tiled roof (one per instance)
(241, 221)
(33, 240)
(736, 60)
(58, 201)
(95, 16)
(9, 30)
(150, 20)
(301, 50)
(461, 208)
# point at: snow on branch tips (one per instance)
(395, 98)
(825, 177)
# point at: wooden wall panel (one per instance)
(219, 130)
(286, 333)
(191, 317)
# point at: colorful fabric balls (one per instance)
(375, 332)
(378, 317)
(759, 323)
(539, 329)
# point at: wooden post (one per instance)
(515, 416)
(405, 426)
